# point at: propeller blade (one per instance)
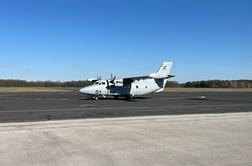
(107, 84)
(98, 78)
(111, 76)
(112, 79)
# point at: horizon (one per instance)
(76, 40)
(102, 79)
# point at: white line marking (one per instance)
(114, 108)
(25, 98)
(87, 105)
(73, 109)
(206, 105)
(172, 98)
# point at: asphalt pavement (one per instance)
(18, 107)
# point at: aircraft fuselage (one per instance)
(138, 87)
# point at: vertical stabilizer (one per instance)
(163, 74)
(165, 69)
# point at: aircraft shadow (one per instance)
(120, 98)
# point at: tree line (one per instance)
(23, 83)
(212, 84)
(82, 83)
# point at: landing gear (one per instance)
(128, 97)
(116, 97)
(94, 97)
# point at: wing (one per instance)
(129, 80)
(132, 79)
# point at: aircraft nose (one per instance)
(84, 90)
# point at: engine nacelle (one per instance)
(118, 82)
(92, 79)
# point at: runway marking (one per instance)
(73, 109)
(115, 108)
(87, 105)
(26, 98)
(206, 105)
(172, 98)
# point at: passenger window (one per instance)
(145, 86)
(99, 83)
(137, 86)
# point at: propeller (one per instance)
(112, 79)
(107, 84)
(98, 78)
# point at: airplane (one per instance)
(129, 87)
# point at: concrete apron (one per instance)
(206, 139)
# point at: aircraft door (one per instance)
(103, 90)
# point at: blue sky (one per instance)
(77, 39)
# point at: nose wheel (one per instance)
(94, 97)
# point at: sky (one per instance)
(62, 40)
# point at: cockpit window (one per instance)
(103, 83)
(96, 83)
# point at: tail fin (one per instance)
(165, 69)
(162, 75)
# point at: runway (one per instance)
(18, 107)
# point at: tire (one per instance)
(128, 98)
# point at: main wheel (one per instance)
(128, 97)
(116, 97)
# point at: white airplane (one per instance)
(129, 87)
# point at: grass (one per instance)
(33, 89)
